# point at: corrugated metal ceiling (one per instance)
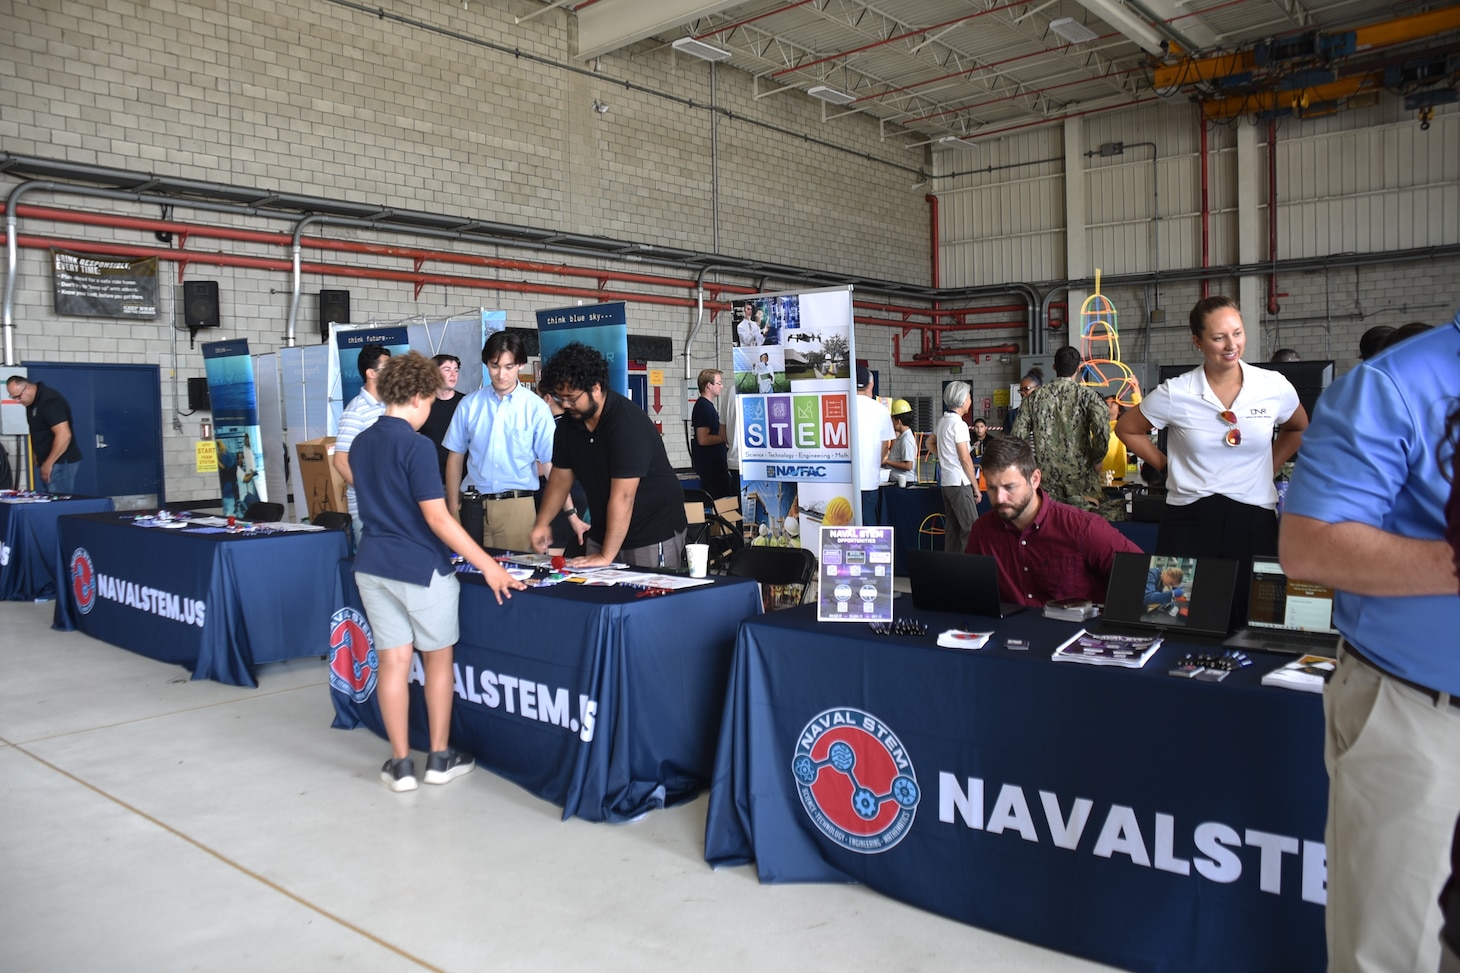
(960, 69)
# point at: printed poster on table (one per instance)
(856, 575)
(235, 424)
(793, 387)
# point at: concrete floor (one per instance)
(151, 823)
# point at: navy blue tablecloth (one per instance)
(28, 543)
(604, 703)
(217, 603)
(1126, 816)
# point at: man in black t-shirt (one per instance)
(443, 407)
(52, 439)
(611, 447)
(707, 449)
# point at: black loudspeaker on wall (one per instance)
(334, 308)
(200, 304)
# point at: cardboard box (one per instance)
(324, 488)
(729, 508)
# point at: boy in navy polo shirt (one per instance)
(404, 571)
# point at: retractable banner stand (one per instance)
(601, 326)
(271, 427)
(235, 424)
(794, 382)
(460, 335)
(348, 342)
(304, 391)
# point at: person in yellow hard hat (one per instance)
(902, 458)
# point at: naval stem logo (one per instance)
(855, 780)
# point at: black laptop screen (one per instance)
(1159, 591)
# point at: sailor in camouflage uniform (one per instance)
(1069, 427)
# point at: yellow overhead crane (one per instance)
(1298, 73)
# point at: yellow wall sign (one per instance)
(207, 456)
(656, 376)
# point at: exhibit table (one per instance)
(599, 699)
(1139, 820)
(28, 541)
(216, 601)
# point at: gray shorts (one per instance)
(401, 613)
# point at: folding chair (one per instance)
(707, 525)
(776, 568)
(264, 512)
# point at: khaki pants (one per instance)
(1393, 758)
(504, 524)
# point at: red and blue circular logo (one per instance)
(855, 780)
(83, 580)
(353, 662)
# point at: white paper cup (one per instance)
(699, 559)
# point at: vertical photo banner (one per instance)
(601, 326)
(235, 424)
(793, 381)
(349, 342)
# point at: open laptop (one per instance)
(965, 583)
(1284, 615)
(1186, 598)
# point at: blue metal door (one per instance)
(116, 415)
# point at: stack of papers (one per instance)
(1129, 651)
(1308, 674)
(1071, 609)
(957, 638)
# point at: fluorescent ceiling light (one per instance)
(701, 50)
(953, 141)
(830, 94)
(1072, 30)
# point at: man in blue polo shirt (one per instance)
(1365, 514)
(403, 571)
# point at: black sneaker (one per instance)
(443, 766)
(399, 775)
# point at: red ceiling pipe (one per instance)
(1272, 294)
(284, 240)
(929, 359)
(751, 20)
(1206, 204)
(349, 246)
(942, 329)
(975, 352)
(935, 256)
(895, 37)
(367, 273)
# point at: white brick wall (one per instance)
(321, 100)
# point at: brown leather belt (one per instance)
(1433, 695)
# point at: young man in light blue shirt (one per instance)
(499, 440)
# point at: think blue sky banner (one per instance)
(351, 342)
(601, 326)
(235, 424)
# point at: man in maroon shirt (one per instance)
(1046, 550)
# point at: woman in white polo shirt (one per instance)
(1222, 456)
